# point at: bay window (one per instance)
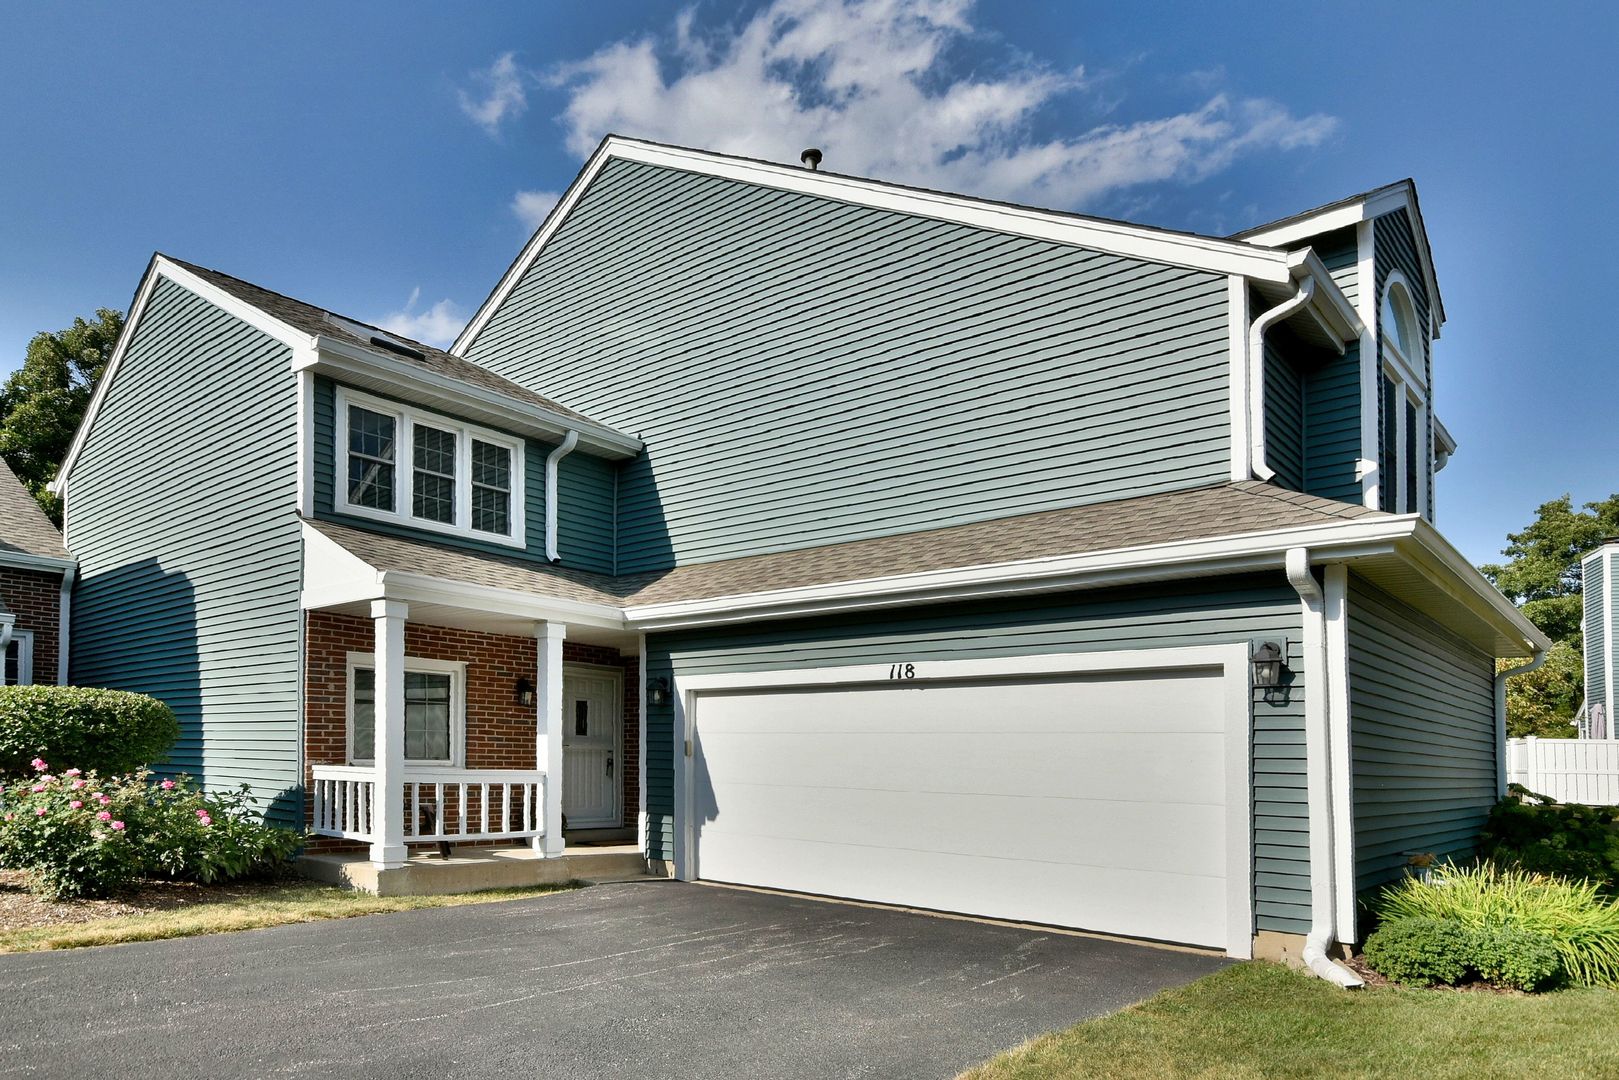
(456, 478)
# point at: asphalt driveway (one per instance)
(644, 979)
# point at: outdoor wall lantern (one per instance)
(525, 692)
(657, 691)
(1269, 663)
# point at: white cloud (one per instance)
(436, 326)
(503, 96)
(875, 85)
(532, 206)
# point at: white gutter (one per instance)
(1501, 715)
(1318, 770)
(551, 461)
(1256, 374)
(64, 608)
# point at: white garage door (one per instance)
(1092, 801)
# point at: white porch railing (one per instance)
(1568, 770)
(440, 804)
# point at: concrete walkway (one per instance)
(644, 979)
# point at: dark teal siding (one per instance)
(1284, 418)
(1339, 251)
(805, 371)
(1332, 427)
(584, 508)
(1396, 249)
(181, 513)
(1237, 610)
(1422, 724)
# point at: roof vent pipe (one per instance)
(812, 158)
(551, 461)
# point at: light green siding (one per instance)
(1422, 724)
(181, 513)
(805, 371)
(1235, 610)
(585, 501)
(1339, 252)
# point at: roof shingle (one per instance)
(24, 528)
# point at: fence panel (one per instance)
(1568, 770)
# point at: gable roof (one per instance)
(26, 535)
(1216, 254)
(1364, 206)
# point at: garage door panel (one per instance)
(1141, 903)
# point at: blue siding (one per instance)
(1422, 725)
(805, 371)
(585, 503)
(1284, 417)
(1235, 610)
(181, 513)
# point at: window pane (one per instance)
(1388, 467)
(364, 711)
(491, 465)
(491, 488)
(371, 433)
(490, 511)
(371, 455)
(13, 667)
(427, 716)
(433, 480)
(1411, 458)
(433, 498)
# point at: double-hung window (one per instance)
(429, 472)
(19, 660)
(1405, 472)
(435, 708)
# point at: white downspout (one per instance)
(7, 621)
(1318, 773)
(551, 461)
(1256, 374)
(64, 609)
(1501, 717)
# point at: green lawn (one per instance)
(1263, 1020)
(242, 907)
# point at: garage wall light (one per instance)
(1270, 661)
(657, 691)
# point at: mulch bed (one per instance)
(21, 910)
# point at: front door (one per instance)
(592, 752)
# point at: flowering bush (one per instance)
(78, 834)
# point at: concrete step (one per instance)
(475, 869)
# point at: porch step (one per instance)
(475, 869)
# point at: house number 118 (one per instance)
(902, 671)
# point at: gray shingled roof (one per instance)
(1198, 514)
(24, 528)
(316, 320)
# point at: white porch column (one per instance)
(548, 732)
(388, 810)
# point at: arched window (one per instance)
(1406, 464)
(1400, 328)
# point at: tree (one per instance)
(1543, 701)
(43, 401)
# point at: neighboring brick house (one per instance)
(36, 578)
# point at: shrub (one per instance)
(105, 731)
(1581, 924)
(82, 835)
(1548, 837)
(1420, 951)
(1519, 959)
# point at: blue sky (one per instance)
(386, 160)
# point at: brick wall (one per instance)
(33, 597)
(499, 731)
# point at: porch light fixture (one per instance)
(525, 692)
(657, 691)
(1269, 661)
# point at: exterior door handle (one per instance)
(609, 764)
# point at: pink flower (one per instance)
(202, 813)
(118, 826)
(40, 812)
(77, 784)
(37, 788)
(76, 804)
(166, 785)
(46, 779)
(104, 800)
(11, 817)
(206, 821)
(72, 772)
(103, 816)
(39, 764)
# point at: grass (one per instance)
(272, 905)
(1259, 1020)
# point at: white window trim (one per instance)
(1410, 368)
(405, 419)
(1410, 385)
(458, 708)
(25, 657)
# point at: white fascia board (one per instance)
(1219, 256)
(22, 560)
(1119, 566)
(340, 359)
(1330, 306)
(1442, 436)
(423, 589)
(162, 267)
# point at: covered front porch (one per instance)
(458, 736)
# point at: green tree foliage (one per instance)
(43, 401)
(1543, 701)
(1542, 571)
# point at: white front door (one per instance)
(592, 729)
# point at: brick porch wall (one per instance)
(33, 596)
(499, 731)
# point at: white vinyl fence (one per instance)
(1568, 770)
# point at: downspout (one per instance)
(1256, 374)
(551, 461)
(64, 609)
(1501, 717)
(1318, 772)
(7, 621)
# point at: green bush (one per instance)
(1519, 959)
(1581, 924)
(83, 835)
(1548, 837)
(105, 731)
(1420, 951)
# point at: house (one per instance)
(36, 577)
(827, 535)
(1601, 594)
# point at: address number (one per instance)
(902, 671)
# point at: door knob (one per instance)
(609, 764)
